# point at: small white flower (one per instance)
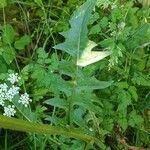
(9, 111)
(13, 78)
(24, 99)
(14, 90)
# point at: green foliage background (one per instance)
(108, 100)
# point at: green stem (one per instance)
(25, 126)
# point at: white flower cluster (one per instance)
(9, 111)
(14, 90)
(13, 78)
(24, 99)
(8, 93)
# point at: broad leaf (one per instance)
(78, 117)
(22, 42)
(76, 38)
(91, 83)
(86, 101)
(57, 102)
(3, 66)
(8, 53)
(8, 34)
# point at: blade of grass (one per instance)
(25, 126)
